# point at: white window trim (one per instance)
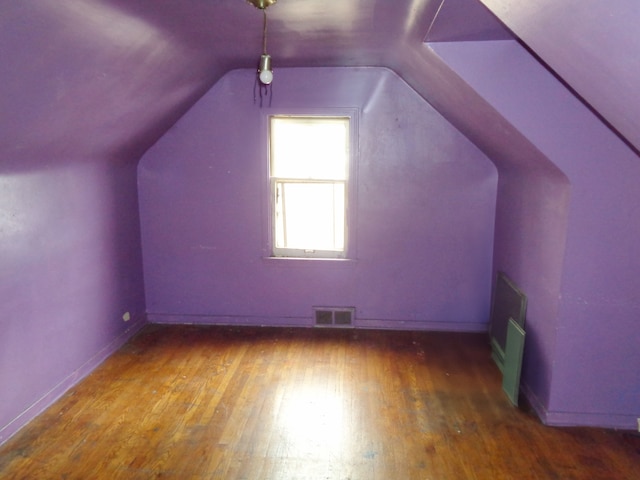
(349, 252)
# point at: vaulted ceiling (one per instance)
(105, 78)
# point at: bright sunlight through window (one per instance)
(309, 172)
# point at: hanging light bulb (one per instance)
(265, 71)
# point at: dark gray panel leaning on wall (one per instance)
(508, 302)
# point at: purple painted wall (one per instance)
(584, 290)
(70, 268)
(424, 211)
(74, 122)
(531, 222)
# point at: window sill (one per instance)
(296, 261)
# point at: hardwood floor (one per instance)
(187, 402)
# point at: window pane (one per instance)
(310, 216)
(309, 148)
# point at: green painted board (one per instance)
(513, 360)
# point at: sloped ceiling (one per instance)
(463, 21)
(593, 45)
(85, 79)
(105, 78)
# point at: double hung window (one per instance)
(309, 170)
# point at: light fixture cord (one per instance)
(264, 33)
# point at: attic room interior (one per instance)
(484, 137)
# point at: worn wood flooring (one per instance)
(188, 402)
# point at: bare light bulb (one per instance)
(266, 76)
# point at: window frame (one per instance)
(348, 251)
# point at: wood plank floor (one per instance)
(187, 402)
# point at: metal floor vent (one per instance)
(333, 316)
